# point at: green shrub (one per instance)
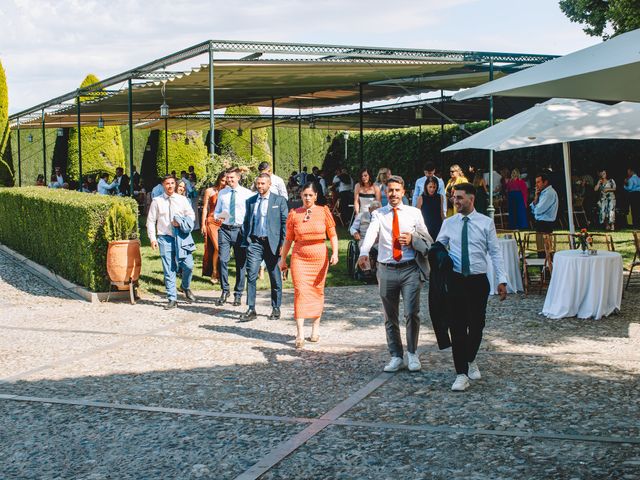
(121, 223)
(102, 149)
(6, 166)
(237, 143)
(185, 148)
(62, 230)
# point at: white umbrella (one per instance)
(608, 71)
(558, 121)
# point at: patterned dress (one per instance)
(607, 202)
(309, 259)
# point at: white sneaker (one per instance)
(474, 371)
(394, 365)
(461, 383)
(413, 362)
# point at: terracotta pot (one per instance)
(123, 262)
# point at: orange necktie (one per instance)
(395, 233)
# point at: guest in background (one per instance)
(471, 238)
(106, 188)
(91, 184)
(231, 209)
(455, 171)
(632, 187)
(607, 189)
(381, 182)
(54, 182)
(181, 188)
(362, 221)
(545, 205)
(193, 198)
(430, 205)
(123, 182)
(429, 171)
(192, 174)
(210, 227)
(277, 184)
(517, 195)
(40, 181)
(59, 177)
(307, 229)
(344, 186)
(365, 192)
(497, 182)
(482, 192)
(158, 189)
(264, 231)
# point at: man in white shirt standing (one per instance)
(429, 171)
(393, 226)
(231, 209)
(161, 221)
(470, 236)
(277, 183)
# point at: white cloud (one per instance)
(47, 47)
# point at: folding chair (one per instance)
(531, 258)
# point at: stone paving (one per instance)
(118, 391)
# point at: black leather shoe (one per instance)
(190, 296)
(249, 315)
(275, 314)
(223, 299)
(237, 301)
(171, 304)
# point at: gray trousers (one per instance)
(392, 282)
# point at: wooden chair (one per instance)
(537, 259)
(600, 241)
(500, 217)
(636, 256)
(579, 213)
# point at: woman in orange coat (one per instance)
(210, 228)
(307, 228)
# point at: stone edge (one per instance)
(62, 284)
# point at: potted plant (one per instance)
(123, 254)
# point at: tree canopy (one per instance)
(598, 16)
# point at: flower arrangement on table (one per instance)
(583, 239)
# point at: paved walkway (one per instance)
(115, 391)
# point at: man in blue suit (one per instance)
(265, 226)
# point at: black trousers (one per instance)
(544, 227)
(469, 295)
(634, 203)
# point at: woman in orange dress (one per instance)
(307, 228)
(210, 228)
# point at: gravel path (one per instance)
(119, 391)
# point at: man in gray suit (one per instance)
(399, 229)
(265, 225)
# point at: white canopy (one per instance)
(558, 121)
(608, 71)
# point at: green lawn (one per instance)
(151, 277)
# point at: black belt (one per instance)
(398, 265)
(256, 238)
(230, 227)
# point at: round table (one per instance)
(509, 249)
(586, 286)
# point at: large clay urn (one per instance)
(123, 262)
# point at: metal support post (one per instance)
(273, 133)
(490, 210)
(212, 125)
(299, 142)
(130, 97)
(79, 143)
(441, 132)
(19, 156)
(166, 146)
(361, 152)
(44, 151)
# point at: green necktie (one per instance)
(232, 208)
(466, 271)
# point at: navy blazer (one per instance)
(277, 212)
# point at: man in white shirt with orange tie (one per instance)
(398, 272)
(470, 236)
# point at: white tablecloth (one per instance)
(584, 285)
(509, 248)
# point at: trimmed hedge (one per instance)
(6, 166)
(62, 230)
(185, 148)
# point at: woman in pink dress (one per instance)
(517, 195)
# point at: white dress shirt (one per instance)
(278, 186)
(163, 210)
(224, 204)
(481, 233)
(409, 219)
(497, 181)
(104, 188)
(546, 209)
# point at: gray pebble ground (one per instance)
(119, 391)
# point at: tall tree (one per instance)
(6, 170)
(599, 15)
(102, 149)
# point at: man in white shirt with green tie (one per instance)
(470, 236)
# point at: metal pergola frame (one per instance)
(156, 71)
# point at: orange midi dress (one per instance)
(310, 258)
(210, 257)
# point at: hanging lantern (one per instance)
(164, 110)
(100, 122)
(312, 124)
(30, 138)
(240, 131)
(419, 113)
(60, 132)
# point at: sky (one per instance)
(47, 47)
